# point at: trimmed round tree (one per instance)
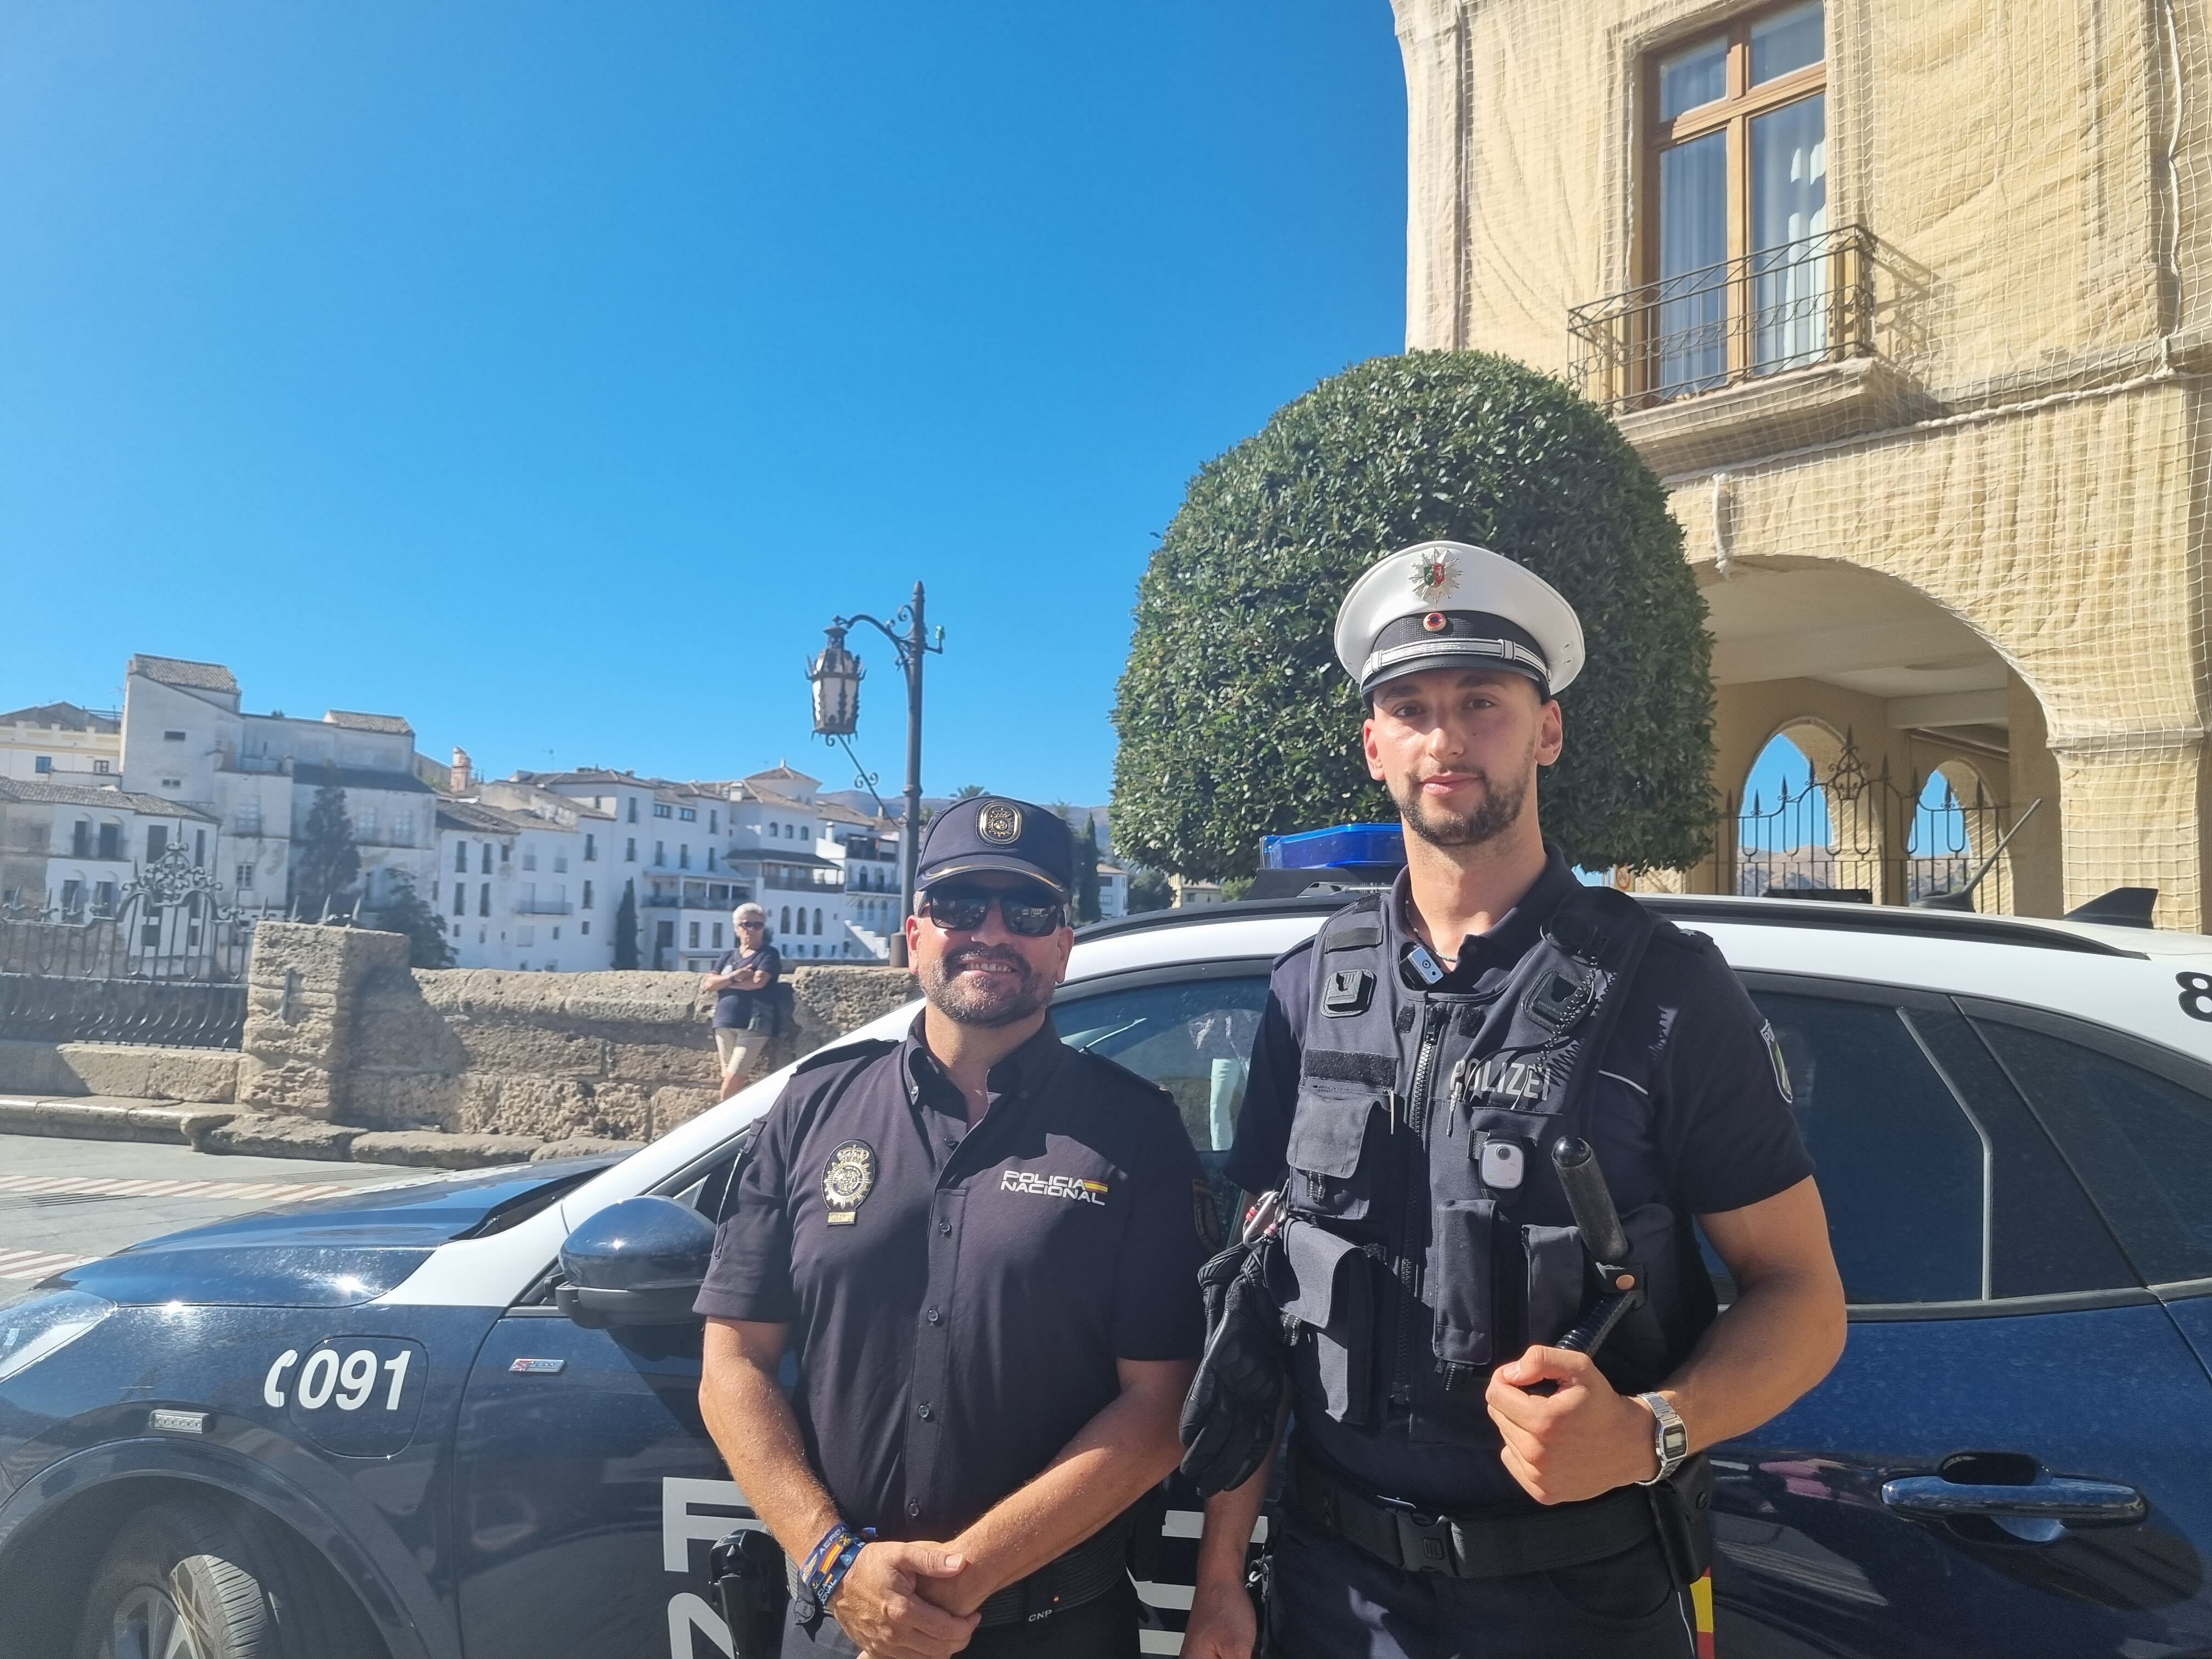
(1236, 720)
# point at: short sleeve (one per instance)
(771, 962)
(1271, 1092)
(1730, 1140)
(1165, 1240)
(749, 1275)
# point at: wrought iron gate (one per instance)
(1854, 835)
(165, 962)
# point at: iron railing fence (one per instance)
(1854, 835)
(169, 1013)
(163, 960)
(1789, 307)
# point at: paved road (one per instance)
(63, 1202)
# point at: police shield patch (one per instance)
(1781, 1066)
(847, 1181)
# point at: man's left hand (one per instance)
(1583, 1440)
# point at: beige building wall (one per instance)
(2021, 459)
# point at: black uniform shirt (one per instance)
(958, 1328)
(1687, 1111)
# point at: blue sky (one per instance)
(549, 374)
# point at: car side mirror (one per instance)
(638, 1262)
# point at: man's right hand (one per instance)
(878, 1608)
(1223, 1623)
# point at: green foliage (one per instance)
(626, 928)
(325, 861)
(1149, 890)
(1086, 872)
(405, 912)
(1236, 720)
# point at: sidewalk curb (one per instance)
(98, 1120)
(220, 1132)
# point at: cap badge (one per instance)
(1435, 576)
(1435, 621)
(847, 1181)
(1000, 822)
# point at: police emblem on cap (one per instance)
(1436, 622)
(847, 1181)
(1000, 822)
(1435, 575)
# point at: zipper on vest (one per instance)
(1434, 1018)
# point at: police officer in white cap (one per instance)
(1429, 1071)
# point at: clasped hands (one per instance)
(907, 1602)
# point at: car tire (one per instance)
(194, 1579)
(183, 1580)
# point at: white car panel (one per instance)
(2138, 993)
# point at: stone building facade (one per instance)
(1910, 308)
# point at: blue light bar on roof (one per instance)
(1334, 848)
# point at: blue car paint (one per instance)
(371, 1486)
(561, 1536)
(1809, 1558)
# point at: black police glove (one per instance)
(1228, 1423)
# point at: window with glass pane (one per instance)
(1193, 1038)
(1903, 1170)
(1739, 265)
(2140, 1142)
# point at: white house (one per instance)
(185, 738)
(72, 850)
(521, 882)
(61, 743)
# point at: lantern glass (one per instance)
(836, 674)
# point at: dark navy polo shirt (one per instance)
(962, 1322)
(734, 1010)
(1687, 1112)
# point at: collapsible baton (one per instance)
(1605, 1240)
(746, 1569)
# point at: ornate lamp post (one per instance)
(836, 674)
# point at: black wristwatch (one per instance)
(1670, 1438)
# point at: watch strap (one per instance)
(1670, 1436)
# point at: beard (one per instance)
(989, 1000)
(1498, 811)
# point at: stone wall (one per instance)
(121, 1070)
(339, 1028)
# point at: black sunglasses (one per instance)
(1030, 912)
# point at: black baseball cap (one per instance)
(989, 832)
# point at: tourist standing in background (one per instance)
(745, 1010)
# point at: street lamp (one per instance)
(836, 675)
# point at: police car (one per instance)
(458, 1417)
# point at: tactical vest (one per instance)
(1428, 1239)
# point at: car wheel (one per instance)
(182, 1581)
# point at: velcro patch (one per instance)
(1341, 1066)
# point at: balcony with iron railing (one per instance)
(1796, 305)
(541, 906)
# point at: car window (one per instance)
(1192, 1036)
(2046, 1237)
(2140, 1142)
(1902, 1167)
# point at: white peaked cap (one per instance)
(1443, 604)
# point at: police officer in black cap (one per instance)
(1459, 1484)
(981, 1246)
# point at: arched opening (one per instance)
(1869, 744)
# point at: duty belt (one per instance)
(1083, 1574)
(1468, 1547)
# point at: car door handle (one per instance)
(2076, 1502)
